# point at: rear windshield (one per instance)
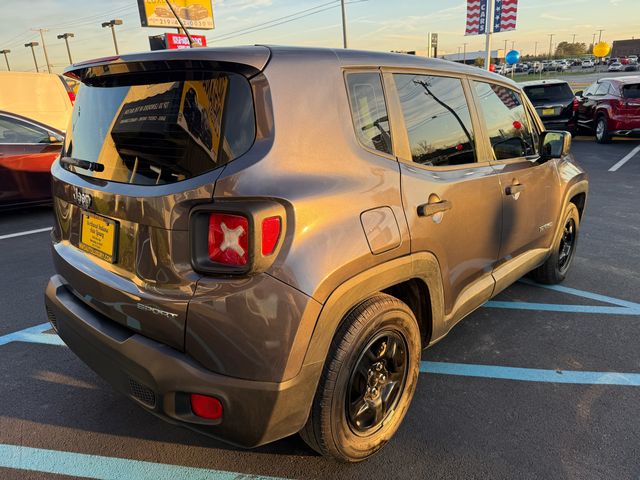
(160, 133)
(631, 91)
(549, 93)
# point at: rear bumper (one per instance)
(160, 378)
(559, 124)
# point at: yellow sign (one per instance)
(98, 236)
(548, 111)
(195, 14)
(201, 110)
(601, 49)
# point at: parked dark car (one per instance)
(555, 103)
(610, 107)
(27, 150)
(287, 279)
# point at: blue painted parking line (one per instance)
(531, 374)
(33, 334)
(623, 307)
(107, 468)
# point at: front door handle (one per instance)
(514, 189)
(430, 209)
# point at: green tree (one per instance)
(566, 49)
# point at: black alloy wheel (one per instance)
(567, 243)
(376, 382)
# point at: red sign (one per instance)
(179, 40)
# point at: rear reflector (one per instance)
(72, 97)
(270, 234)
(206, 407)
(228, 239)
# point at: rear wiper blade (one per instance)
(85, 164)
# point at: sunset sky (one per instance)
(373, 25)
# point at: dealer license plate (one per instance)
(98, 236)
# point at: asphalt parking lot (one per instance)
(539, 383)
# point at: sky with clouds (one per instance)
(373, 25)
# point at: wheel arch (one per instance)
(408, 278)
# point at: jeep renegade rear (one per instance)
(253, 242)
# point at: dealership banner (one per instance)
(505, 15)
(476, 17)
(195, 14)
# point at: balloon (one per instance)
(601, 49)
(512, 57)
(492, 68)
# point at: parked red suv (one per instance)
(611, 107)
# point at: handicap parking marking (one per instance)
(531, 374)
(33, 334)
(27, 232)
(625, 159)
(622, 307)
(107, 468)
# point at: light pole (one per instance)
(535, 49)
(44, 46)
(6, 59)
(551, 35)
(593, 42)
(464, 55)
(33, 52)
(66, 40)
(505, 48)
(513, 45)
(111, 24)
(344, 24)
(574, 38)
(600, 35)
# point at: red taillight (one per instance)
(270, 234)
(576, 104)
(228, 239)
(72, 97)
(206, 407)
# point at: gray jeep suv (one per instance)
(258, 241)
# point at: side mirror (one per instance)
(554, 144)
(579, 93)
(55, 138)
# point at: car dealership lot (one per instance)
(544, 417)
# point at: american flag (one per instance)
(505, 16)
(476, 17)
(506, 96)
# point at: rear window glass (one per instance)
(369, 111)
(161, 133)
(631, 91)
(549, 93)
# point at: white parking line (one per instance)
(631, 154)
(28, 232)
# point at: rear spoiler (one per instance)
(247, 61)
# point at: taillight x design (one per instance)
(235, 237)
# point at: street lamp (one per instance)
(6, 59)
(33, 52)
(111, 24)
(464, 58)
(66, 40)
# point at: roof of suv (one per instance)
(258, 56)
(542, 82)
(622, 80)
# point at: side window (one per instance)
(591, 90)
(437, 118)
(506, 119)
(369, 111)
(15, 131)
(603, 88)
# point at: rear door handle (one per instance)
(430, 209)
(513, 189)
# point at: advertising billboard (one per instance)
(195, 14)
(179, 40)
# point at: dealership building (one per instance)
(624, 48)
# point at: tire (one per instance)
(353, 435)
(602, 135)
(555, 269)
